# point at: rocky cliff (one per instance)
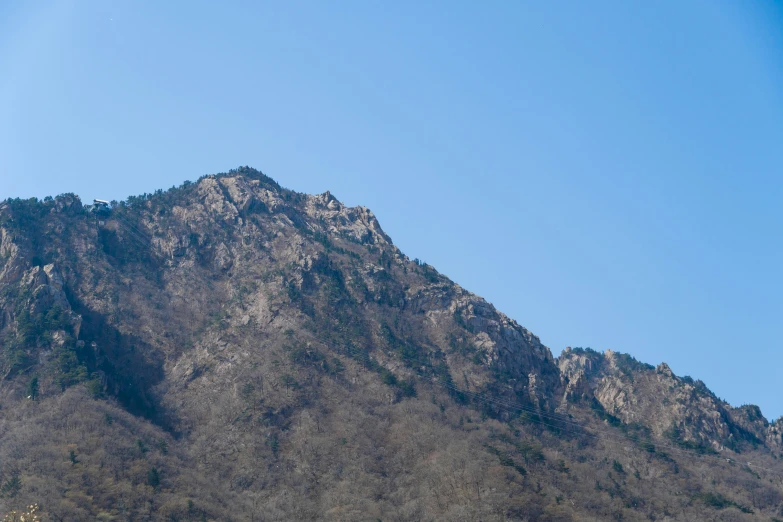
(670, 406)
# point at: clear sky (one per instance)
(610, 174)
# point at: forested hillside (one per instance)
(233, 350)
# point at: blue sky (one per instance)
(610, 174)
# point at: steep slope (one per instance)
(681, 409)
(232, 350)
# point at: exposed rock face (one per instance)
(658, 399)
(11, 258)
(357, 223)
(502, 343)
(274, 356)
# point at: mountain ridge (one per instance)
(319, 206)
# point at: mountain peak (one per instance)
(246, 341)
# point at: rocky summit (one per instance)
(231, 350)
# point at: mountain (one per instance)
(233, 350)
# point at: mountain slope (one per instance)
(232, 350)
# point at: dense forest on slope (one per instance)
(233, 350)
